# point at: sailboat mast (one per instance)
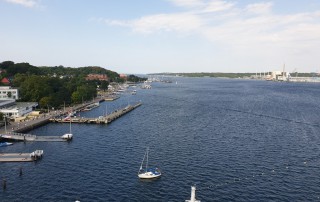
(70, 125)
(142, 161)
(147, 159)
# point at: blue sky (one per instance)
(150, 36)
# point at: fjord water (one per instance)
(236, 140)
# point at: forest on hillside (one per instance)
(56, 86)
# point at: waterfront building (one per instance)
(100, 77)
(6, 103)
(8, 93)
(18, 109)
(123, 76)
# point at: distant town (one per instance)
(268, 76)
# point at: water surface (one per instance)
(236, 140)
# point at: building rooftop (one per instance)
(19, 105)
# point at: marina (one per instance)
(90, 106)
(15, 136)
(101, 119)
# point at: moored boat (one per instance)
(148, 172)
(69, 135)
(3, 144)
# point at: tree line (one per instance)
(57, 86)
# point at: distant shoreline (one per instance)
(222, 75)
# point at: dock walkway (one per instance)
(100, 120)
(18, 135)
(11, 136)
(21, 127)
(21, 157)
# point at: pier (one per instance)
(111, 98)
(25, 126)
(16, 134)
(12, 136)
(101, 119)
(21, 157)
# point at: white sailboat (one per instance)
(148, 172)
(69, 135)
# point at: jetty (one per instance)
(25, 126)
(13, 136)
(16, 131)
(21, 157)
(101, 119)
(111, 98)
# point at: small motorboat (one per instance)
(3, 144)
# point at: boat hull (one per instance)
(67, 136)
(3, 144)
(148, 176)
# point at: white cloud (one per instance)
(182, 22)
(217, 5)
(260, 8)
(188, 3)
(26, 3)
(253, 27)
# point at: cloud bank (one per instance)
(240, 27)
(26, 3)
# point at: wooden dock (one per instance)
(16, 134)
(100, 120)
(21, 157)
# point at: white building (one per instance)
(18, 109)
(8, 93)
(280, 76)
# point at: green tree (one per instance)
(45, 102)
(76, 97)
(19, 79)
(34, 88)
(6, 64)
(104, 85)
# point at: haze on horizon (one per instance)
(144, 36)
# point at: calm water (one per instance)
(236, 140)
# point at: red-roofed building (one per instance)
(123, 76)
(100, 77)
(5, 81)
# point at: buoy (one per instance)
(4, 183)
